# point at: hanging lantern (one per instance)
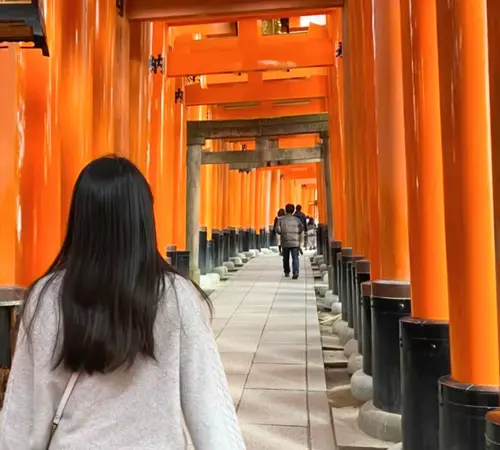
(21, 21)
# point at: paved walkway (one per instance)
(268, 335)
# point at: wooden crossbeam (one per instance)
(274, 127)
(258, 91)
(269, 109)
(264, 158)
(248, 53)
(185, 12)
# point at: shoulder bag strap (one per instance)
(62, 404)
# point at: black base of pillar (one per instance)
(172, 255)
(425, 358)
(319, 239)
(343, 293)
(210, 256)
(462, 414)
(202, 256)
(493, 430)
(233, 250)
(362, 274)
(226, 245)
(338, 270)
(348, 291)
(353, 297)
(366, 326)
(325, 245)
(335, 249)
(183, 263)
(390, 303)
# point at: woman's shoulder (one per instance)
(184, 297)
(44, 292)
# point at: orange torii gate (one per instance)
(197, 11)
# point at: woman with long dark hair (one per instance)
(114, 348)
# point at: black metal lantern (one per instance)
(21, 21)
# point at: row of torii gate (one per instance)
(267, 154)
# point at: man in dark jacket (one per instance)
(302, 217)
(290, 228)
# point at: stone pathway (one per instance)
(268, 335)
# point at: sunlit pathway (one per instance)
(268, 335)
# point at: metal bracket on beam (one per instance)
(120, 7)
(156, 64)
(179, 96)
(338, 52)
(193, 79)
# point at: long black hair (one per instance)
(112, 274)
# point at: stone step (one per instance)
(335, 358)
(331, 343)
(321, 289)
(349, 436)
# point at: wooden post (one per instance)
(466, 135)
(193, 195)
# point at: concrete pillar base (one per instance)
(243, 258)
(396, 447)
(215, 277)
(265, 251)
(341, 328)
(222, 272)
(355, 363)
(350, 347)
(318, 260)
(326, 278)
(250, 255)
(362, 386)
(237, 261)
(274, 249)
(336, 308)
(379, 424)
(321, 289)
(206, 282)
(330, 299)
(230, 266)
(334, 298)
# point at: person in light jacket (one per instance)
(116, 336)
(290, 228)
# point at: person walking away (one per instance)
(280, 214)
(290, 228)
(302, 217)
(311, 234)
(113, 339)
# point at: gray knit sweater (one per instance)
(137, 409)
